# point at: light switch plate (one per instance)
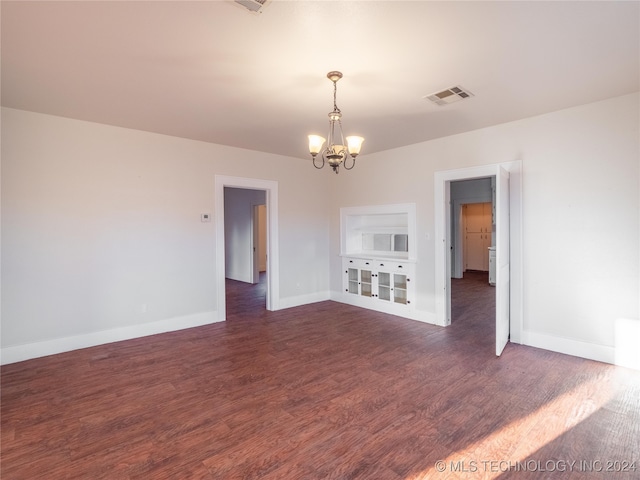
(205, 217)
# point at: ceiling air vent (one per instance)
(449, 95)
(254, 6)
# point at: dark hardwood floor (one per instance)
(245, 300)
(473, 304)
(321, 391)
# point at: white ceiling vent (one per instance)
(449, 95)
(254, 6)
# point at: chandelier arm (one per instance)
(353, 164)
(314, 162)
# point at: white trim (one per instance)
(19, 353)
(273, 262)
(391, 309)
(385, 209)
(443, 254)
(568, 346)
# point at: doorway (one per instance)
(472, 236)
(242, 225)
(508, 246)
(270, 191)
(472, 223)
(477, 236)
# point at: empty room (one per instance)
(320, 240)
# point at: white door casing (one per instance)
(273, 271)
(442, 240)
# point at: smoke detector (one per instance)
(450, 95)
(254, 6)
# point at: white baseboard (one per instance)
(300, 300)
(19, 353)
(379, 306)
(577, 348)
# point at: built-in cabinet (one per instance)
(378, 256)
(382, 280)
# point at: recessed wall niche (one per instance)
(382, 231)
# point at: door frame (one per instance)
(442, 183)
(273, 273)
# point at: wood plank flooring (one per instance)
(324, 391)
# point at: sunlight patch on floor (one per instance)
(496, 454)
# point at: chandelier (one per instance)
(335, 153)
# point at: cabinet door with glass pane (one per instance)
(400, 288)
(359, 282)
(384, 286)
(353, 281)
(392, 287)
(366, 283)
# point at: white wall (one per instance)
(102, 238)
(238, 231)
(580, 215)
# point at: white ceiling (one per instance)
(212, 71)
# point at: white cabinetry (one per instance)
(386, 281)
(378, 256)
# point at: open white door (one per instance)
(502, 259)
